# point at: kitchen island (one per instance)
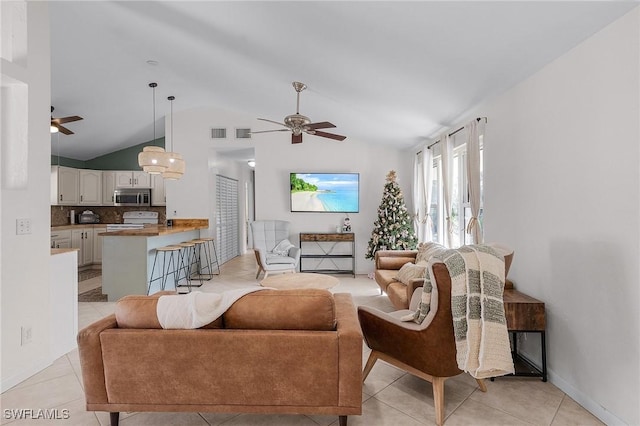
(127, 255)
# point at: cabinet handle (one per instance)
(81, 198)
(60, 197)
(130, 181)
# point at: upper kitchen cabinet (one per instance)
(65, 187)
(108, 187)
(158, 197)
(90, 187)
(133, 180)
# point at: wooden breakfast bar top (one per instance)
(154, 230)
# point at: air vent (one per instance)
(220, 133)
(243, 133)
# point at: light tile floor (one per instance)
(391, 397)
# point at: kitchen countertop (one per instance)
(62, 250)
(79, 225)
(153, 231)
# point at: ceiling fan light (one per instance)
(251, 163)
(54, 129)
(153, 159)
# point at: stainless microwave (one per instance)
(132, 197)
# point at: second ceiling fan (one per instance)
(298, 124)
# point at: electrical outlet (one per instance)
(23, 226)
(25, 335)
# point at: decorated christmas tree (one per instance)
(393, 230)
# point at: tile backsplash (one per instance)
(60, 214)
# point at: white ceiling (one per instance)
(382, 72)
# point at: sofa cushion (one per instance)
(397, 294)
(409, 271)
(393, 262)
(299, 309)
(384, 277)
(273, 259)
(135, 311)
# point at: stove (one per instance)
(135, 220)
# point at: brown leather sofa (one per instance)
(387, 265)
(273, 351)
(389, 262)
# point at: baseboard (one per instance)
(605, 416)
(21, 376)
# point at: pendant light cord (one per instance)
(171, 98)
(153, 86)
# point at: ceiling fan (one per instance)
(298, 124)
(57, 123)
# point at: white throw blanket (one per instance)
(196, 309)
(480, 328)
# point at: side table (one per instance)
(525, 314)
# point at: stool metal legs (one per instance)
(168, 267)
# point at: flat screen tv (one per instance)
(325, 192)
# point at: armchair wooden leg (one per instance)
(373, 357)
(438, 399)
(482, 385)
(342, 420)
(114, 418)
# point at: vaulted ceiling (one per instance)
(383, 71)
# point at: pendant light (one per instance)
(176, 164)
(153, 159)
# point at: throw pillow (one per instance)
(282, 248)
(426, 250)
(409, 271)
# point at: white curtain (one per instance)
(422, 175)
(447, 179)
(427, 167)
(417, 192)
(474, 130)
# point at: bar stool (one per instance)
(213, 260)
(187, 260)
(168, 266)
(202, 247)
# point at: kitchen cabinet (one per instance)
(82, 239)
(136, 179)
(90, 187)
(65, 190)
(61, 239)
(97, 244)
(108, 186)
(158, 195)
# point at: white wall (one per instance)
(275, 158)
(562, 187)
(24, 260)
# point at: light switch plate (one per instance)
(23, 226)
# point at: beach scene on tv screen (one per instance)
(324, 192)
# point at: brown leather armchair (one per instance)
(425, 350)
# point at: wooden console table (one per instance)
(525, 314)
(328, 253)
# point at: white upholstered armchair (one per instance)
(274, 252)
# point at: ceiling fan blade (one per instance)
(64, 130)
(271, 121)
(269, 131)
(296, 138)
(69, 119)
(330, 135)
(321, 125)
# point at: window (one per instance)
(460, 208)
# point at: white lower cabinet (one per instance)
(82, 239)
(97, 244)
(158, 195)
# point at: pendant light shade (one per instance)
(176, 166)
(175, 163)
(153, 159)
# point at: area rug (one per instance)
(94, 295)
(88, 274)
